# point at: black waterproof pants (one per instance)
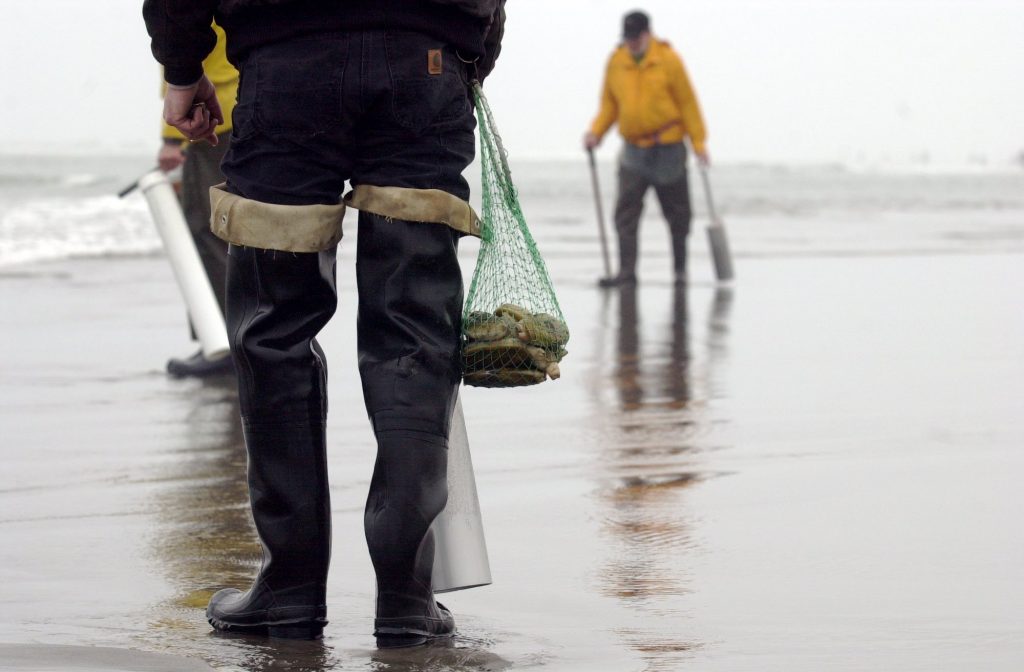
(673, 191)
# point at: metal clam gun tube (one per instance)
(200, 300)
(460, 551)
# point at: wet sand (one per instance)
(818, 469)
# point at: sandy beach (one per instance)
(816, 469)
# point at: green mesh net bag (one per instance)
(513, 329)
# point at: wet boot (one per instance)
(409, 489)
(675, 205)
(198, 366)
(410, 308)
(679, 258)
(629, 206)
(277, 302)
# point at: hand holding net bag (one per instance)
(513, 329)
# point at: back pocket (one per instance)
(421, 96)
(298, 88)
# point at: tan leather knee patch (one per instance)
(290, 228)
(416, 205)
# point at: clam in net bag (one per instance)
(513, 329)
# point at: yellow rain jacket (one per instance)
(225, 81)
(653, 100)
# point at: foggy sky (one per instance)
(854, 81)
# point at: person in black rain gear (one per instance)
(375, 92)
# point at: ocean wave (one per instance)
(80, 180)
(60, 228)
(53, 209)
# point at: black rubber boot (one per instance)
(198, 366)
(410, 310)
(679, 259)
(409, 489)
(675, 205)
(277, 302)
(629, 206)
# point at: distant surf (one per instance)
(54, 208)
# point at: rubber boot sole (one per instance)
(402, 633)
(277, 631)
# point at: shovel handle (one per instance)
(706, 180)
(600, 212)
(135, 185)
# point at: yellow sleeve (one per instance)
(689, 107)
(216, 65)
(225, 80)
(609, 111)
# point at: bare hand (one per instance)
(704, 158)
(590, 140)
(170, 156)
(194, 111)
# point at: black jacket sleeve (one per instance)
(492, 41)
(481, 9)
(181, 36)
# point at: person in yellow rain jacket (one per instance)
(200, 164)
(648, 93)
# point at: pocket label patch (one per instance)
(434, 62)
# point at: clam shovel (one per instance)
(717, 239)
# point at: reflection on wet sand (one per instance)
(206, 538)
(258, 654)
(648, 460)
(633, 373)
(458, 655)
(206, 541)
(717, 341)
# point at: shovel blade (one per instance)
(719, 243)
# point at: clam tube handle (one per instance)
(193, 282)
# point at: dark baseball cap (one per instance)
(635, 23)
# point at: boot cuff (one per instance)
(416, 205)
(289, 228)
